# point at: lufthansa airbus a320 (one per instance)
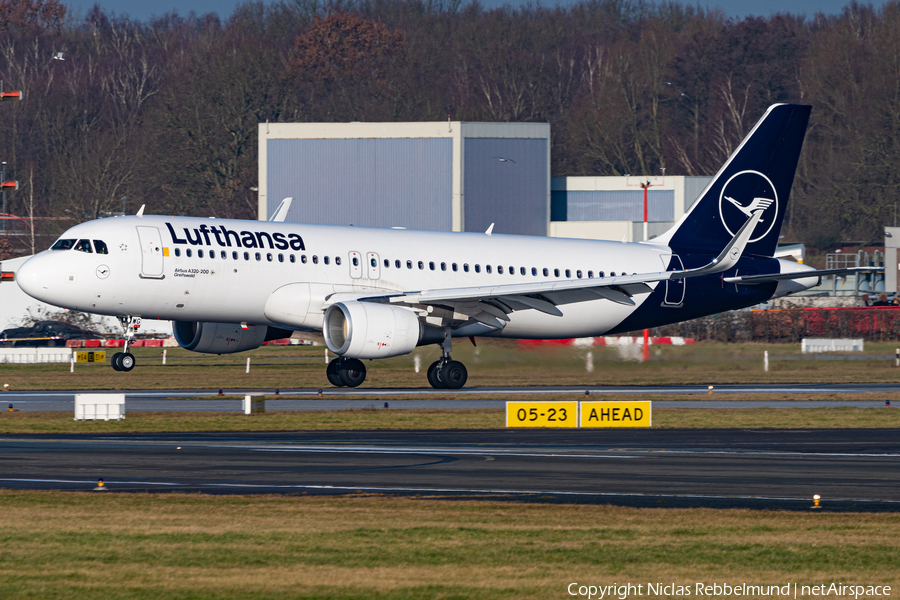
(230, 285)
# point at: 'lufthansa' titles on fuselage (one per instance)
(221, 235)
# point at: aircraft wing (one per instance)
(492, 304)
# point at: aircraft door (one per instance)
(675, 288)
(373, 266)
(151, 253)
(355, 265)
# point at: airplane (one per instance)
(230, 285)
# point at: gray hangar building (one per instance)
(445, 176)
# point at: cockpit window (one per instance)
(100, 247)
(84, 246)
(63, 245)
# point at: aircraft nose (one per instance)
(32, 277)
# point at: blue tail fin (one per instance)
(757, 176)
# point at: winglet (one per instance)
(731, 254)
(281, 212)
(490, 229)
(140, 211)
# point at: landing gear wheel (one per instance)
(114, 361)
(454, 374)
(432, 374)
(333, 373)
(126, 361)
(352, 372)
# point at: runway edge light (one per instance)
(816, 499)
(100, 486)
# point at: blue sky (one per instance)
(141, 9)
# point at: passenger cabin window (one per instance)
(590, 274)
(200, 254)
(466, 267)
(443, 266)
(397, 264)
(100, 247)
(600, 274)
(177, 251)
(234, 255)
(337, 260)
(578, 274)
(187, 252)
(246, 255)
(303, 258)
(212, 253)
(487, 268)
(293, 258)
(421, 265)
(224, 255)
(409, 264)
(431, 265)
(454, 267)
(568, 274)
(315, 259)
(556, 272)
(478, 268)
(612, 273)
(258, 256)
(355, 262)
(499, 270)
(373, 262)
(521, 270)
(546, 272)
(84, 246)
(63, 245)
(534, 271)
(387, 264)
(325, 259)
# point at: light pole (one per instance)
(124, 200)
(2, 179)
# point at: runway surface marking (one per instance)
(556, 453)
(434, 490)
(632, 453)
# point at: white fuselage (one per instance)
(202, 273)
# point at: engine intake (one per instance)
(223, 338)
(371, 330)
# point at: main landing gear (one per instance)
(349, 372)
(124, 361)
(446, 373)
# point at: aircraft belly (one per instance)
(583, 319)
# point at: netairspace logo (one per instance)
(721, 590)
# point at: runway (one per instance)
(853, 470)
(474, 397)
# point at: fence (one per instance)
(873, 324)
(35, 355)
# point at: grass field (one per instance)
(491, 363)
(111, 546)
(367, 419)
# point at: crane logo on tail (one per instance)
(743, 194)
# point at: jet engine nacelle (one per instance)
(223, 338)
(372, 330)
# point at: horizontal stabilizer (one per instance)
(773, 277)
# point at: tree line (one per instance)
(165, 112)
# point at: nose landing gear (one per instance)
(124, 361)
(349, 372)
(446, 373)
